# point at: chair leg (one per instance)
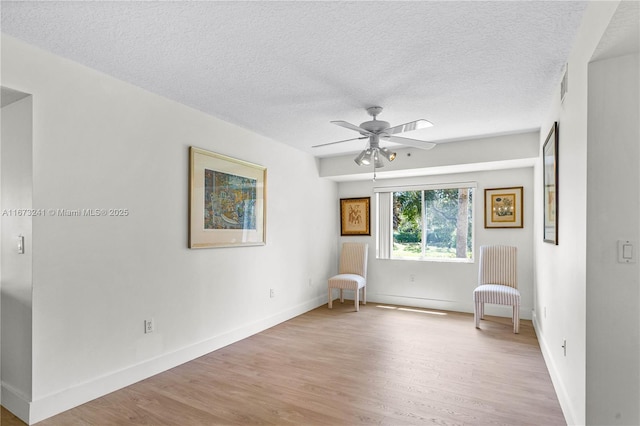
(356, 298)
(516, 319)
(330, 298)
(477, 312)
(341, 296)
(364, 295)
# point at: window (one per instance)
(426, 223)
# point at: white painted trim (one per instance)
(15, 401)
(56, 403)
(447, 305)
(426, 187)
(558, 385)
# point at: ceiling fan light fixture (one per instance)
(364, 158)
(360, 159)
(377, 161)
(388, 154)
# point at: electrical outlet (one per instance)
(148, 326)
(272, 293)
(412, 278)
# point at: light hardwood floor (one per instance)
(384, 365)
(8, 419)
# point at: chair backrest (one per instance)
(498, 266)
(353, 259)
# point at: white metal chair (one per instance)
(352, 274)
(497, 282)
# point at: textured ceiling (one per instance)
(623, 33)
(285, 69)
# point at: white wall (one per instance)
(560, 270)
(448, 285)
(613, 209)
(101, 143)
(16, 300)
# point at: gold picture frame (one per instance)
(227, 201)
(354, 216)
(503, 207)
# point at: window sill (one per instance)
(430, 259)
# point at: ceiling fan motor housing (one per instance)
(375, 126)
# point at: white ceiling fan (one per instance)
(377, 130)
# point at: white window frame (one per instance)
(384, 225)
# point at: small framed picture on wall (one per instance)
(354, 216)
(503, 207)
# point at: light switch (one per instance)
(626, 251)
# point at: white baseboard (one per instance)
(15, 402)
(447, 305)
(558, 385)
(66, 399)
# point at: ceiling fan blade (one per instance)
(409, 142)
(407, 127)
(333, 143)
(352, 127)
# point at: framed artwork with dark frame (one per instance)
(227, 200)
(550, 176)
(354, 216)
(503, 207)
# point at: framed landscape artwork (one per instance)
(354, 216)
(226, 201)
(503, 207)
(550, 172)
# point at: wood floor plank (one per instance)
(384, 365)
(7, 418)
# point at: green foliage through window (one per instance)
(435, 223)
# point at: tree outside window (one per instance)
(434, 223)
